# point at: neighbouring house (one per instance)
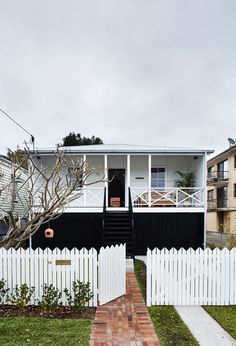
(139, 202)
(221, 192)
(9, 200)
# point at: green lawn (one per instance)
(225, 316)
(44, 331)
(170, 328)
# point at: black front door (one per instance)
(116, 188)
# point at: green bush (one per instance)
(80, 296)
(3, 292)
(22, 296)
(50, 298)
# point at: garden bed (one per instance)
(57, 312)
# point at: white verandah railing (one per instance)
(90, 197)
(170, 197)
(93, 197)
(191, 277)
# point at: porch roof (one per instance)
(126, 149)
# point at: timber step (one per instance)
(118, 229)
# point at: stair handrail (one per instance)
(104, 214)
(130, 202)
(104, 200)
(131, 217)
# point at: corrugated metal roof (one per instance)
(124, 148)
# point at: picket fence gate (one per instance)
(191, 277)
(61, 267)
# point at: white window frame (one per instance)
(165, 177)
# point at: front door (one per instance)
(116, 188)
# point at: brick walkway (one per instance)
(125, 320)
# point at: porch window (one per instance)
(158, 177)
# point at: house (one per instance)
(221, 192)
(9, 200)
(138, 203)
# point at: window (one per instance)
(234, 161)
(158, 177)
(210, 170)
(210, 195)
(222, 197)
(223, 169)
(17, 189)
(234, 190)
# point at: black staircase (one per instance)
(118, 227)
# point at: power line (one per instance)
(14, 121)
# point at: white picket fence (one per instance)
(61, 267)
(191, 277)
(111, 273)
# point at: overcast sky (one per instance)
(158, 72)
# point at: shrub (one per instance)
(3, 292)
(22, 296)
(81, 294)
(50, 298)
(231, 240)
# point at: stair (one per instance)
(118, 229)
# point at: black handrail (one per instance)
(104, 215)
(104, 200)
(130, 202)
(131, 217)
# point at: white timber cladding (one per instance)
(191, 277)
(6, 191)
(105, 272)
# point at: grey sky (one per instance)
(136, 71)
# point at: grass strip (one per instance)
(225, 316)
(169, 326)
(44, 331)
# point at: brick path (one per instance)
(125, 320)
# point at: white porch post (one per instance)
(149, 179)
(84, 187)
(106, 178)
(128, 179)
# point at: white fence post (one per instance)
(149, 271)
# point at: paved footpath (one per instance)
(205, 329)
(125, 320)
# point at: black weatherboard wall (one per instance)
(150, 230)
(72, 230)
(168, 230)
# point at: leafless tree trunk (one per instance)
(42, 192)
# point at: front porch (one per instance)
(149, 179)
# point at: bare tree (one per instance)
(42, 192)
